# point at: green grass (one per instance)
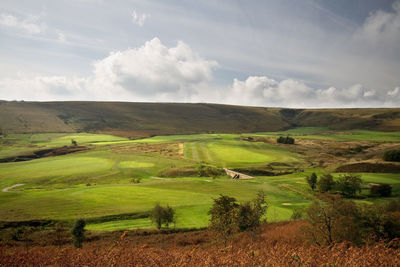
(236, 153)
(20, 144)
(96, 183)
(336, 135)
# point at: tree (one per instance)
(392, 155)
(285, 140)
(157, 215)
(383, 190)
(349, 184)
(224, 213)
(250, 213)
(169, 216)
(331, 219)
(78, 233)
(382, 220)
(312, 180)
(162, 215)
(325, 183)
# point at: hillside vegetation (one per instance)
(147, 119)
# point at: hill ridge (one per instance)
(139, 119)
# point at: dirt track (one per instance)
(10, 187)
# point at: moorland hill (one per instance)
(146, 119)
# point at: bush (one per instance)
(78, 233)
(383, 190)
(349, 184)
(392, 155)
(285, 140)
(325, 183)
(296, 215)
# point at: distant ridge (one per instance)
(146, 119)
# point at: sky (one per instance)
(271, 53)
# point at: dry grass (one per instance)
(278, 245)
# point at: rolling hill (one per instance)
(146, 119)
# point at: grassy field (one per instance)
(97, 182)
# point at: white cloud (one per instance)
(154, 69)
(382, 27)
(263, 91)
(139, 19)
(30, 25)
(152, 72)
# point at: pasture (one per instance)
(97, 182)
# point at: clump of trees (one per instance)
(285, 140)
(162, 216)
(348, 185)
(382, 190)
(392, 155)
(229, 217)
(78, 233)
(332, 219)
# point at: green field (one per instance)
(97, 182)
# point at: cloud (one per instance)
(155, 72)
(154, 69)
(44, 88)
(382, 27)
(152, 72)
(30, 25)
(263, 91)
(139, 19)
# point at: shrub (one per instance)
(73, 142)
(392, 155)
(383, 190)
(78, 233)
(325, 183)
(296, 215)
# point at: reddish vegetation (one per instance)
(279, 245)
(370, 167)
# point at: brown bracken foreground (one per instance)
(280, 244)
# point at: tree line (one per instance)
(348, 185)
